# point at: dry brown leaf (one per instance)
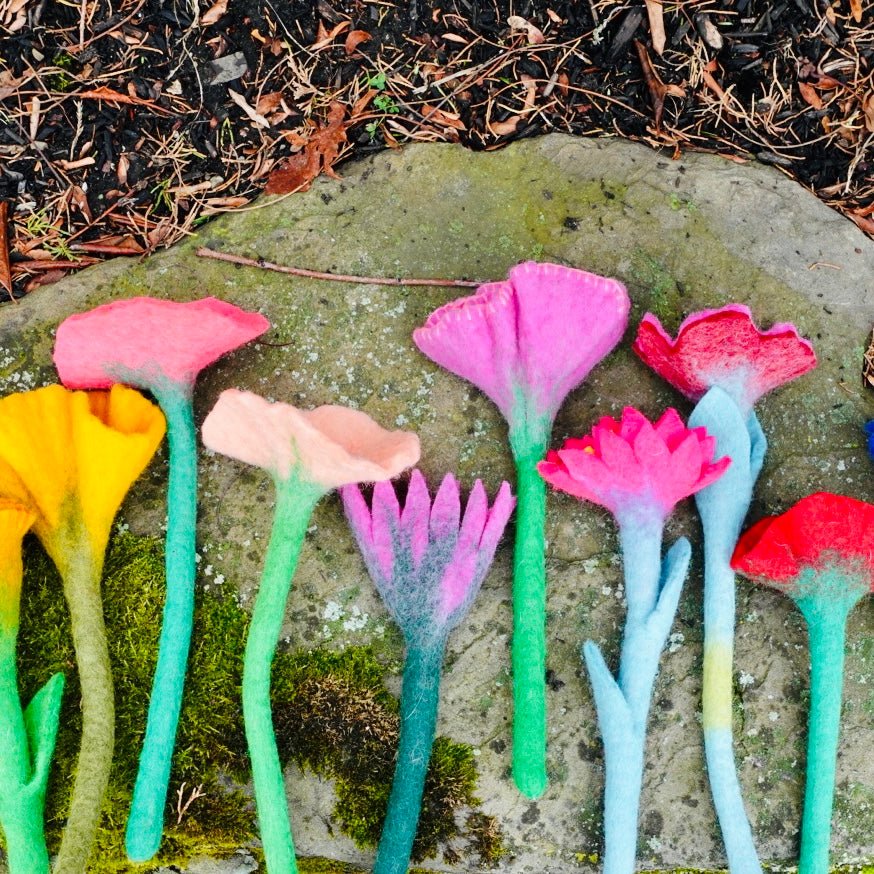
(658, 90)
(535, 34)
(5, 269)
(256, 117)
(505, 128)
(868, 364)
(325, 37)
(808, 93)
(214, 13)
(449, 119)
(454, 37)
(655, 14)
(104, 93)
(361, 103)
(856, 10)
(868, 109)
(47, 278)
(530, 84)
(354, 39)
(75, 196)
(554, 16)
(268, 103)
(318, 156)
(866, 224)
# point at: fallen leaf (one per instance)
(440, 116)
(535, 34)
(506, 127)
(253, 115)
(656, 15)
(360, 104)
(454, 37)
(868, 109)
(104, 93)
(657, 89)
(76, 197)
(325, 37)
(214, 13)
(856, 10)
(47, 278)
(5, 269)
(268, 103)
(354, 39)
(318, 156)
(866, 224)
(808, 93)
(868, 364)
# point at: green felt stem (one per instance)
(420, 695)
(21, 812)
(826, 617)
(81, 577)
(146, 819)
(295, 501)
(529, 618)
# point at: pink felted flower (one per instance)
(330, 446)
(425, 559)
(632, 467)
(724, 348)
(528, 341)
(141, 341)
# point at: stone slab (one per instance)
(682, 235)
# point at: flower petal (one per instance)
(446, 510)
(415, 517)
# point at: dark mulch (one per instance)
(118, 135)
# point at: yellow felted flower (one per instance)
(73, 455)
(15, 521)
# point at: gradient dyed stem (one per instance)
(722, 507)
(826, 622)
(420, 696)
(146, 819)
(295, 501)
(81, 577)
(529, 615)
(21, 811)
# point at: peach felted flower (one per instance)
(307, 453)
(527, 343)
(72, 456)
(27, 736)
(160, 346)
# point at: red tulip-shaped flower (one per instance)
(160, 346)
(820, 553)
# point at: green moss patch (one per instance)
(334, 716)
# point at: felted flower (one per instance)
(724, 348)
(328, 447)
(144, 341)
(632, 466)
(28, 734)
(427, 560)
(528, 341)
(307, 453)
(72, 456)
(869, 432)
(820, 531)
(161, 346)
(820, 552)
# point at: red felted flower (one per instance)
(634, 467)
(820, 530)
(724, 347)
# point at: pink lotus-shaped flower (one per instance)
(144, 341)
(635, 468)
(426, 560)
(528, 341)
(724, 348)
(328, 447)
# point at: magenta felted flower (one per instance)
(724, 348)
(632, 466)
(528, 341)
(142, 341)
(425, 559)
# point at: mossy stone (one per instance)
(683, 235)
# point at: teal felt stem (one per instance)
(420, 695)
(145, 823)
(723, 505)
(529, 614)
(826, 614)
(295, 501)
(652, 591)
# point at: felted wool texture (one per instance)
(722, 506)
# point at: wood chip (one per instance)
(709, 31)
(656, 16)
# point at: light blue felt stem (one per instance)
(652, 592)
(723, 505)
(420, 694)
(295, 501)
(145, 823)
(825, 609)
